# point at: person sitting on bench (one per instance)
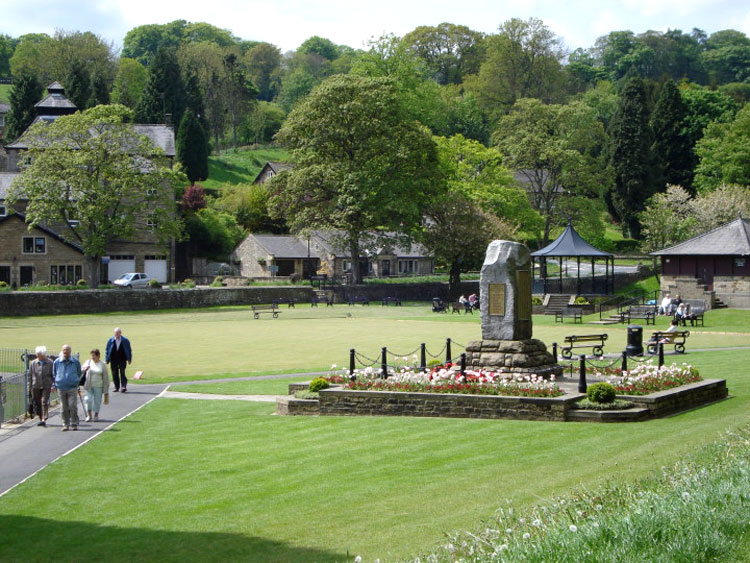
(672, 328)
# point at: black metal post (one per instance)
(624, 366)
(423, 357)
(554, 352)
(384, 363)
(661, 354)
(352, 354)
(447, 350)
(463, 363)
(582, 375)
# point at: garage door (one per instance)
(156, 267)
(119, 265)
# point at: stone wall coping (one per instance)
(674, 392)
(565, 399)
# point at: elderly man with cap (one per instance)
(40, 383)
(67, 372)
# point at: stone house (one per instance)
(140, 253)
(713, 266)
(262, 256)
(270, 169)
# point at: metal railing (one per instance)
(14, 391)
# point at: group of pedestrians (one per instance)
(67, 376)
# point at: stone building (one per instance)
(713, 266)
(139, 253)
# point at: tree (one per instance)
(130, 82)
(7, 47)
(78, 86)
(24, 95)
(672, 147)
(240, 92)
(192, 147)
(524, 60)
(450, 51)
(263, 122)
(721, 205)
(320, 46)
(667, 219)
(90, 167)
(263, 67)
(723, 153)
(165, 91)
(214, 233)
(361, 164)
(631, 157)
(194, 198)
(249, 204)
(555, 152)
(143, 42)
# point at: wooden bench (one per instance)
(395, 300)
(697, 310)
(259, 309)
(359, 299)
(678, 338)
(574, 313)
(593, 341)
(315, 300)
(458, 307)
(289, 302)
(644, 312)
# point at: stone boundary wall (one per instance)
(384, 403)
(684, 398)
(290, 406)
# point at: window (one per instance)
(407, 266)
(34, 245)
(3, 212)
(64, 274)
(2, 120)
(151, 224)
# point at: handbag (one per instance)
(82, 381)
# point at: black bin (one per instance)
(635, 340)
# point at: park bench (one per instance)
(289, 302)
(643, 312)
(260, 309)
(466, 307)
(697, 309)
(593, 341)
(359, 299)
(315, 300)
(574, 313)
(678, 338)
(395, 300)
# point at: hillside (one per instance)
(5, 93)
(241, 166)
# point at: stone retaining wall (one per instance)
(384, 403)
(681, 399)
(292, 406)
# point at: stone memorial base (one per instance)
(524, 357)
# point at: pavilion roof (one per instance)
(570, 243)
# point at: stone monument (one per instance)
(505, 305)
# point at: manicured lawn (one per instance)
(244, 387)
(227, 342)
(240, 166)
(216, 480)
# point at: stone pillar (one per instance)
(505, 286)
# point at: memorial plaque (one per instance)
(497, 299)
(524, 295)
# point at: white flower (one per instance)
(573, 528)
(595, 524)
(358, 559)
(536, 523)
(526, 536)
(686, 496)
(509, 531)
(503, 547)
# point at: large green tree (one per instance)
(130, 82)
(263, 63)
(192, 147)
(362, 166)
(672, 147)
(632, 160)
(555, 152)
(724, 153)
(93, 168)
(165, 90)
(24, 95)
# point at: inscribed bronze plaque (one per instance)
(497, 298)
(524, 295)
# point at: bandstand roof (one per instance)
(570, 243)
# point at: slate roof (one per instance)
(332, 245)
(275, 167)
(161, 135)
(4, 108)
(570, 243)
(280, 246)
(47, 231)
(6, 179)
(56, 101)
(730, 239)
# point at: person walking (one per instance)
(67, 373)
(118, 354)
(40, 383)
(96, 385)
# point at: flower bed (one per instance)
(648, 378)
(448, 379)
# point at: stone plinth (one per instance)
(505, 286)
(525, 357)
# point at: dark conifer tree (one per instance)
(631, 157)
(192, 147)
(672, 148)
(194, 98)
(26, 92)
(78, 85)
(99, 91)
(165, 91)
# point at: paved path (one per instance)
(26, 448)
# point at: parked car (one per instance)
(133, 280)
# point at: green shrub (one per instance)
(581, 300)
(319, 383)
(154, 284)
(536, 300)
(306, 394)
(218, 281)
(3, 285)
(601, 393)
(82, 283)
(616, 405)
(187, 283)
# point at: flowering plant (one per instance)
(648, 378)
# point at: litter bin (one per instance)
(635, 340)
